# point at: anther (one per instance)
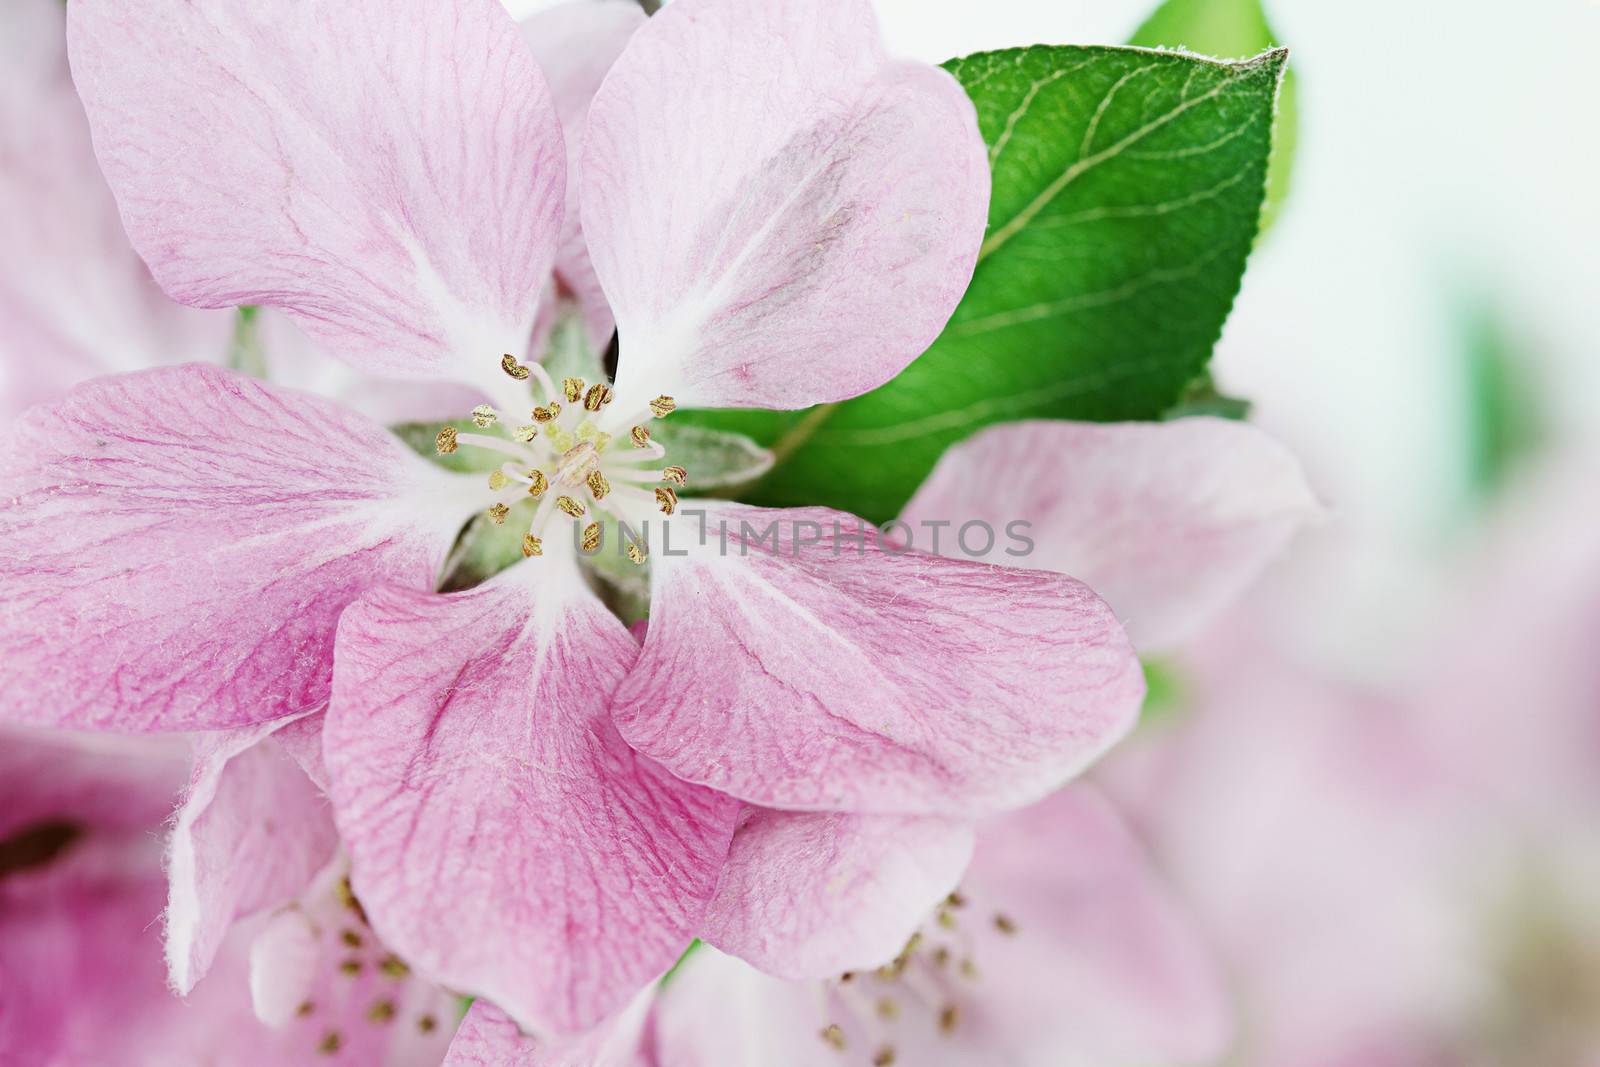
(382, 1011)
(947, 919)
(636, 553)
(498, 513)
(591, 537)
(570, 506)
(445, 443)
(547, 412)
(662, 406)
(427, 1024)
(883, 1057)
(598, 485)
(537, 483)
(509, 364)
(330, 1043)
(532, 546)
(560, 440)
(641, 437)
(498, 480)
(948, 1018)
(351, 938)
(573, 388)
(675, 475)
(833, 1034)
(1004, 923)
(597, 397)
(956, 900)
(305, 1008)
(350, 967)
(483, 416)
(667, 499)
(393, 967)
(888, 1008)
(526, 433)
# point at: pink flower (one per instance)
(522, 790)
(81, 976)
(1060, 948)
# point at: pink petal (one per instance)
(388, 171)
(503, 837)
(86, 782)
(575, 44)
(250, 835)
(834, 674)
(74, 299)
(488, 1038)
(1168, 521)
(780, 214)
(810, 896)
(180, 542)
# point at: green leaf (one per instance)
(1232, 29)
(1505, 422)
(1127, 194)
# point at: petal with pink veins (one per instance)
(575, 44)
(251, 833)
(390, 172)
(796, 662)
(1168, 521)
(502, 836)
(180, 543)
(808, 895)
(488, 1038)
(780, 214)
(75, 300)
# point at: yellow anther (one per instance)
(598, 486)
(667, 499)
(561, 440)
(947, 919)
(532, 546)
(547, 412)
(330, 1043)
(427, 1024)
(526, 433)
(381, 1011)
(941, 956)
(956, 900)
(883, 1057)
(1004, 923)
(833, 1034)
(636, 553)
(969, 970)
(351, 938)
(509, 364)
(570, 506)
(498, 514)
(305, 1008)
(597, 397)
(662, 406)
(483, 416)
(591, 537)
(675, 475)
(393, 967)
(601, 440)
(948, 1018)
(537, 483)
(888, 1008)
(351, 967)
(445, 443)
(641, 437)
(573, 388)
(498, 480)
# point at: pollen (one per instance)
(573, 388)
(531, 546)
(675, 475)
(598, 485)
(888, 1008)
(330, 1043)
(497, 514)
(570, 506)
(641, 437)
(498, 480)
(351, 967)
(445, 443)
(948, 1018)
(547, 413)
(833, 1034)
(524, 434)
(1004, 923)
(509, 364)
(883, 1057)
(393, 967)
(381, 1011)
(597, 397)
(667, 499)
(427, 1024)
(483, 416)
(591, 537)
(662, 406)
(351, 938)
(537, 483)
(636, 553)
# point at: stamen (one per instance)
(833, 1034)
(427, 1024)
(547, 413)
(948, 1018)
(498, 514)
(330, 1043)
(537, 483)
(445, 443)
(382, 1011)
(1004, 923)
(888, 1008)
(662, 406)
(305, 1008)
(351, 967)
(636, 553)
(641, 437)
(884, 1056)
(483, 416)
(573, 388)
(532, 546)
(591, 537)
(597, 397)
(598, 486)
(393, 967)
(498, 480)
(667, 498)
(509, 364)
(525, 434)
(570, 506)
(676, 475)
(351, 938)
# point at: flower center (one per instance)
(567, 459)
(928, 985)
